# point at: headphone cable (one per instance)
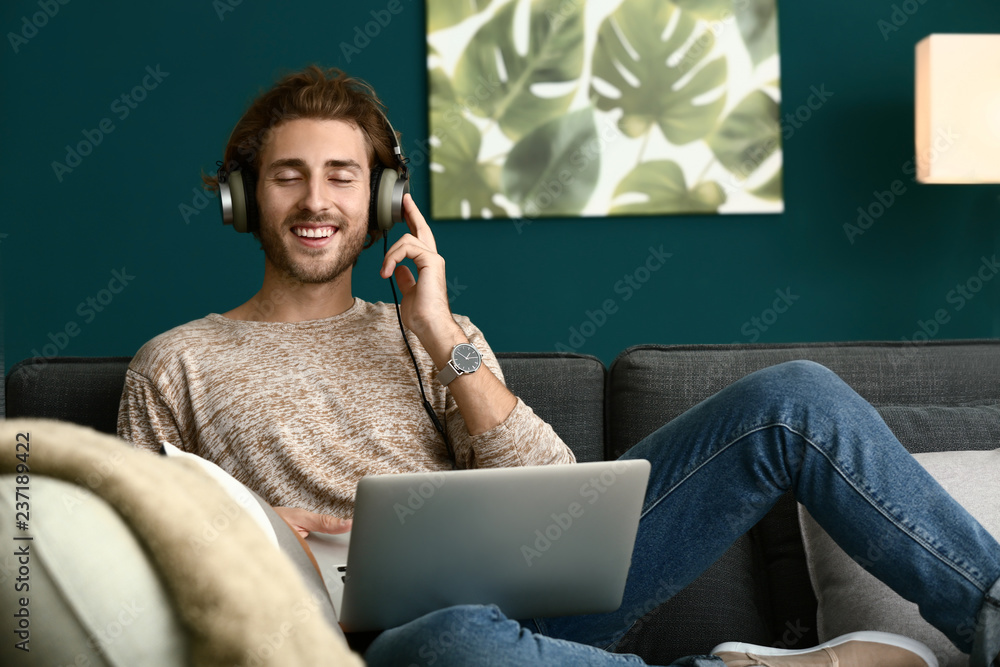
(420, 382)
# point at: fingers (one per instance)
(419, 242)
(304, 522)
(417, 224)
(409, 246)
(405, 279)
(332, 524)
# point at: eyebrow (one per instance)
(298, 162)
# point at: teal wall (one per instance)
(62, 242)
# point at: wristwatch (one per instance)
(465, 358)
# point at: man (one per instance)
(303, 389)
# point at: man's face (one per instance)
(313, 195)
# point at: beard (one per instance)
(315, 271)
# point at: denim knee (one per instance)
(801, 373)
(796, 383)
(442, 637)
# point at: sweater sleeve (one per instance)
(522, 439)
(144, 418)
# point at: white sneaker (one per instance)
(861, 649)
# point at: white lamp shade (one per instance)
(958, 109)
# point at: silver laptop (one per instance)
(536, 541)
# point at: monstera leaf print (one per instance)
(550, 171)
(447, 13)
(461, 186)
(494, 80)
(749, 134)
(759, 26)
(650, 73)
(661, 184)
(772, 190)
(710, 10)
(604, 107)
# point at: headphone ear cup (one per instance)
(376, 187)
(250, 196)
(386, 206)
(237, 196)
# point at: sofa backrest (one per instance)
(82, 390)
(917, 388)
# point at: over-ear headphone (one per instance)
(238, 192)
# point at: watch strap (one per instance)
(448, 373)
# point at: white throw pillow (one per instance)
(851, 599)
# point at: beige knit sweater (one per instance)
(301, 411)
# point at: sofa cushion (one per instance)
(851, 599)
(944, 428)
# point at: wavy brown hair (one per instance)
(325, 94)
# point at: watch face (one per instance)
(466, 358)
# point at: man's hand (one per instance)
(424, 307)
(304, 522)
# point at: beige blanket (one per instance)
(228, 594)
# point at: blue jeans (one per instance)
(716, 470)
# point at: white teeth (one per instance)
(312, 232)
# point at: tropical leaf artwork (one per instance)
(566, 108)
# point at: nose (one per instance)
(314, 198)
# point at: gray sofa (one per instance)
(938, 396)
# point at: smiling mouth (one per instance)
(314, 232)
